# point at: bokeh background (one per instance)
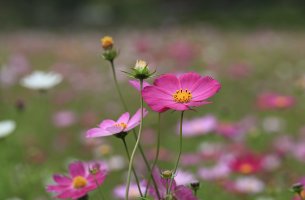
(256, 49)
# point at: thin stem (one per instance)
(134, 132)
(117, 86)
(136, 145)
(133, 170)
(98, 188)
(180, 150)
(157, 154)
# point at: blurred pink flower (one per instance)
(123, 124)
(199, 126)
(219, 171)
(246, 164)
(182, 52)
(64, 118)
(136, 84)
(82, 180)
(180, 93)
(275, 101)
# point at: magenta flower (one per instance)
(110, 127)
(178, 192)
(84, 177)
(275, 101)
(180, 93)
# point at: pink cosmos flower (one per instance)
(180, 93)
(84, 177)
(198, 126)
(273, 101)
(178, 192)
(246, 164)
(110, 127)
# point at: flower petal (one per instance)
(205, 88)
(77, 169)
(124, 118)
(136, 118)
(168, 82)
(188, 80)
(97, 132)
(61, 179)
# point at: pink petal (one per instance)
(77, 169)
(97, 132)
(62, 180)
(168, 82)
(124, 118)
(136, 84)
(57, 188)
(106, 123)
(205, 88)
(178, 106)
(197, 103)
(136, 118)
(115, 129)
(188, 80)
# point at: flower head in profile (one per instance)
(107, 42)
(111, 127)
(180, 92)
(178, 192)
(80, 181)
(40, 80)
(6, 127)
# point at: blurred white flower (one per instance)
(184, 178)
(250, 185)
(40, 80)
(6, 127)
(116, 162)
(273, 124)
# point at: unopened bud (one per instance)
(167, 174)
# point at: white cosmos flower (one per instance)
(249, 185)
(40, 80)
(6, 127)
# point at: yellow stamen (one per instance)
(281, 101)
(79, 182)
(182, 96)
(246, 168)
(122, 125)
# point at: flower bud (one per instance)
(195, 185)
(140, 70)
(167, 174)
(107, 42)
(297, 188)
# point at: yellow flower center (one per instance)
(281, 101)
(107, 42)
(79, 182)
(182, 96)
(246, 168)
(122, 125)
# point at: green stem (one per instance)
(117, 86)
(157, 155)
(134, 132)
(98, 188)
(136, 145)
(180, 150)
(133, 170)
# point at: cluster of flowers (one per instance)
(168, 92)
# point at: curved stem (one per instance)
(180, 150)
(134, 132)
(156, 157)
(133, 170)
(117, 86)
(136, 145)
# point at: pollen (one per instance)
(79, 182)
(122, 125)
(182, 96)
(246, 168)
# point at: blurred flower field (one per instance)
(248, 144)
